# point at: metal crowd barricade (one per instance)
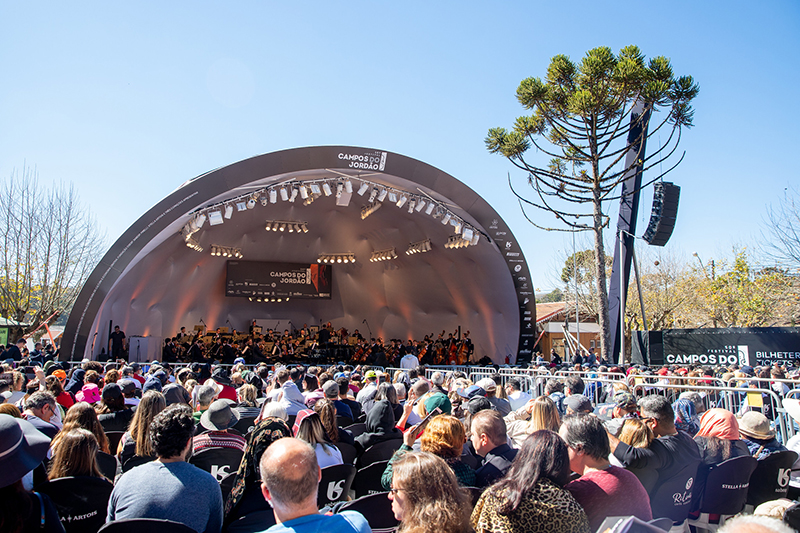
(792, 384)
(648, 379)
(616, 376)
(733, 399)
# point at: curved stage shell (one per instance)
(151, 282)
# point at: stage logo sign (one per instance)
(259, 279)
(729, 346)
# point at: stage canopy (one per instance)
(334, 202)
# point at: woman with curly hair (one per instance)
(444, 437)
(82, 415)
(531, 498)
(426, 497)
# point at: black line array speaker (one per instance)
(665, 210)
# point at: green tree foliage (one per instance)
(578, 128)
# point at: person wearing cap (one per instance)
(490, 441)
(624, 407)
(330, 391)
(169, 487)
(500, 404)
(369, 390)
(756, 432)
(577, 403)
(218, 419)
(128, 387)
(23, 448)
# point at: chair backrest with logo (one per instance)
(81, 501)
(368, 480)
(770, 480)
(348, 451)
(219, 462)
(673, 498)
(335, 484)
(377, 509)
(727, 485)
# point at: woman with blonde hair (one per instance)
(82, 415)
(426, 497)
(75, 455)
(539, 413)
(136, 441)
(636, 433)
(444, 437)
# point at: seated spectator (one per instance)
(291, 398)
(758, 435)
(308, 428)
(83, 416)
(755, 524)
(531, 498)
(222, 384)
(669, 453)
(554, 389)
(217, 420)
(327, 414)
(635, 432)
(75, 381)
(185, 493)
(573, 385)
(23, 448)
(176, 393)
(54, 385)
(136, 441)
(537, 414)
(246, 494)
(75, 454)
(718, 437)
(290, 476)
(386, 391)
(129, 392)
(602, 490)
(112, 412)
(247, 407)
(489, 440)
(206, 394)
(344, 388)
(426, 497)
(516, 397)
(624, 407)
(686, 418)
(272, 409)
(500, 404)
(444, 436)
(577, 404)
(380, 427)
(40, 410)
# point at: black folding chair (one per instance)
(135, 461)
(150, 525)
(673, 498)
(254, 522)
(348, 451)
(113, 440)
(770, 480)
(343, 421)
(108, 465)
(377, 509)
(724, 493)
(368, 480)
(81, 501)
(335, 484)
(357, 429)
(383, 451)
(220, 463)
(244, 424)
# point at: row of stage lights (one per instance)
(337, 258)
(225, 251)
(310, 190)
(258, 299)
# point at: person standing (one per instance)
(116, 343)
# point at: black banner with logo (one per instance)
(258, 279)
(726, 346)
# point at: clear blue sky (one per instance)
(129, 100)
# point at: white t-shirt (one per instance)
(328, 455)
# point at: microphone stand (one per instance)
(370, 329)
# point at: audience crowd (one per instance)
(348, 449)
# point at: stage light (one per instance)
(290, 227)
(200, 219)
(383, 255)
(459, 227)
(273, 196)
(293, 195)
(475, 238)
(193, 244)
(467, 234)
(382, 195)
(420, 205)
(392, 196)
(305, 227)
(348, 187)
(446, 218)
(315, 188)
(402, 201)
(264, 199)
(251, 203)
(429, 209)
(419, 247)
(367, 210)
(284, 194)
(339, 189)
(363, 188)
(215, 218)
(282, 227)
(228, 211)
(326, 188)
(411, 207)
(373, 195)
(303, 192)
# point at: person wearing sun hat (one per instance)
(760, 438)
(23, 448)
(218, 419)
